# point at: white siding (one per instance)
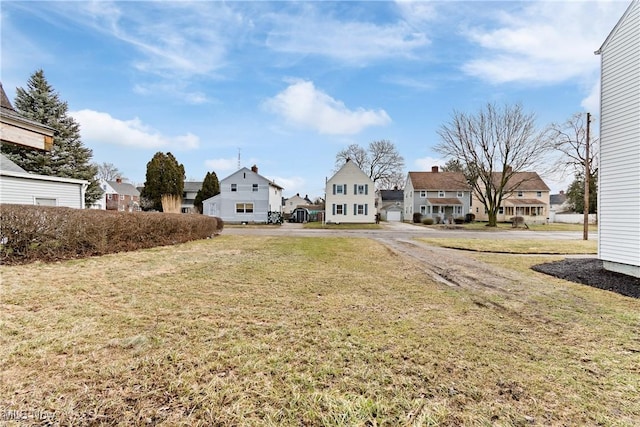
(619, 174)
(265, 198)
(16, 189)
(348, 176)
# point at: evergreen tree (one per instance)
(575, 193)
(69, 158)
(165, 177)
(210, 188)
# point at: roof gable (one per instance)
(439, 181)
(619, 24)
(350, 167)
(245, 170)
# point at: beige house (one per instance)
(290, 204)
(529, 198)
(350, 196)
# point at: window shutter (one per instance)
(355, 188)
(344, 207)
(333, 207)
(366, 209)
(345, 189)
(355, 209)
(334, 189)
(366, 189)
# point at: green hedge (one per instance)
(39, 233)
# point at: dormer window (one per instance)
(520, 193)
(441, 193)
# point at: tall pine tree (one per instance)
(210, 188)
(69, 158)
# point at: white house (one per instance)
(18, 186)
(619, 172)
(246, 196)
(350, 196)
(290, 204)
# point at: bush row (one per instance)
(30, 233)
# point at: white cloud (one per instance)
(303, 105)
(315, 32)
(100, 128)
(544, 42)
(222, 164)
(592, 102)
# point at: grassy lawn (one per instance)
(482, 226)
(245, 330)
(529, 246)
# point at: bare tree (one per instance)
(380, 161)
(578, 153)
(108, 172)
(493, 146)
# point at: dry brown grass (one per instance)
(305, 331)
(519, 246)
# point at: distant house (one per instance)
(529, 199)
(350, 196)
(189, 194)
(558, 203)
(246, 197)
(18, 186)
(619, 170)
(439, 195)
(390, 204)
(293, 202)
(118, 196)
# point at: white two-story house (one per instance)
(350, 196)
(246, 197)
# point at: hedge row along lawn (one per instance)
(245, 330)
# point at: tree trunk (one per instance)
(493, 219)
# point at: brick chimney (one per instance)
(435, 169)
(254, 169)
(119, 180)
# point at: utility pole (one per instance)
(587, 178)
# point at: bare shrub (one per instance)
(29, 233)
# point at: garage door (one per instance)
(394, 215)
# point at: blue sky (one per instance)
(289, 84)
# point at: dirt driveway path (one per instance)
(457, 269)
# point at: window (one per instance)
(520, 194)
(501, 210)
(254, 187)
(423, 194)
(360, 209)
(234, 187)
(109, 196)
(460, 195)
(423, 209)
(339, 188)
(339, 209)
(121, 196)
(539, 194)
(360, 189)
(457, 210)
(41, 201)
(244, 207)
(441, 193)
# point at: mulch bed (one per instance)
(589, 271)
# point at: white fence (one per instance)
(572, 218)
